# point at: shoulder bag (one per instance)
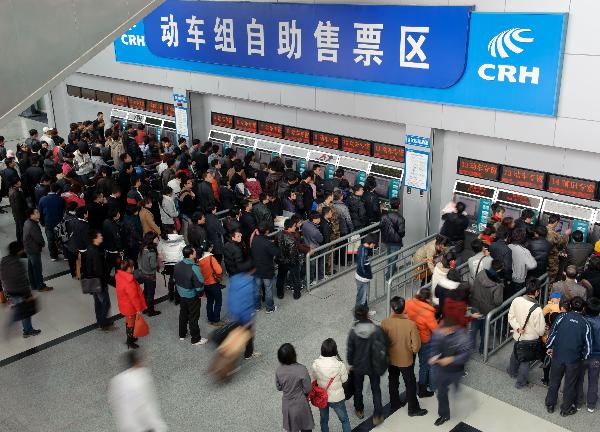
(218, 277)
(527, 351)
(91, 285)
(318, 395)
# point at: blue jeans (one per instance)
(214, 300)
(340, 410)
(102, 307)
(478, 326)
(34, 267)
(268, 284)
(362, 292)
(391, 267)
(375, 380)
(26, 323)
(424, 366)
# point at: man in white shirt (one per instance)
(481, 260)
(133, 398)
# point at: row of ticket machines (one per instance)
(478, 199)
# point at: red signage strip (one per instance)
(523, 177)
(325, 140)
(245, 124)
(478, 169)
(223, 120)
(389, 152)
(119, 100)
(571, 186)
(270, 129)
(169, 110)
(137, 103)
(296, 134)
(357, 146)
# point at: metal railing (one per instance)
(337, 258)
(497, 331)
(222, 214)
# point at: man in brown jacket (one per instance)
(404, 344)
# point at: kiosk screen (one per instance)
(383, 187)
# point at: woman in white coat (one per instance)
(170, 253)
(328, 366)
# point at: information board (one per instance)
(181, 111)
(416, 169)
(223, 120)
(483, 213)
(325, 140)
(270, 129)
(137, 103)
(572, 186)
(245, 124)
(473, 189)
(155, 107)
(119, 100)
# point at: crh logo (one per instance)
(497, 47)
(499, 43)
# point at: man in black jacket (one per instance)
(33, 242)
(261, 211)
(359, 356)
(372, 204)
(540, 250)
(113, 244)
(454, 228)
(197, 233)
(499, 250)
(305, 193)
(263, 253)
(392, 232)
(93, 267)
(356, 207)
(214, 232)
(205, 196)
(234, 255)
(13, 274)
(247, 221)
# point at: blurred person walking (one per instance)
(132, 397)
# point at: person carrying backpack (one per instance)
(367, 354)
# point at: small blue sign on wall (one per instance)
(483, 213)
(583, 226)
(418, 141)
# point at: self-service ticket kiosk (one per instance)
(242, 145)
(120, 116)
(298, 156)
(220, 138)
(515, 202)
(266, 151)
(169, 130)
(355, 170)
(478, 201)
(389, 181)
(153, 127)
(326, 160)
(572, 216)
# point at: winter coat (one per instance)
(188, 279)
(240, 301)
(215, 233)
(478, 263)
(335, 220)
(248, 225)
(197, 236)
(372, 207)
(392, 228)
(558, 242)
(456, 310)
(170, 250)
(226, 197)
(148, 263)
(262, 214)
(517, 314)
(454, 226)
(289, 248)
(93, 264)
(82, 163)
(210, 267)
(423, 315)
(426, 253)
(325, 368)
(130, 297)
(205, 195)
(499, 250)
(168, 211)
(404, 340)
(344, 219)
(578, 253)
(263, 253)
(147, 221)
(570, 338)
(363, 263)
(33, 240)
(358, 212)
(14, 277)
(486, 292)
(359, 345)
(594, 322)
(293, 380)
(569, 288)
(111, 231)
(457, 345)
(18, 204)
(305, 198)
(234, 259)
(78, 231)
(312, 234)
(272, 183)
(522, 262)
(52, 208)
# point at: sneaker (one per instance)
(545, 383)
(217, 323)
(181, 338)
(33, 332)
(271, 311)
(360, 414)
(108, 328)
(377, 420)
(54, 259)
(202, 341)
(591, 410)
(45, 289)
(372, 313)
(255, 354)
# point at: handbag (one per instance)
(318, 395)
(527, 351)
(90, 285)
(177, 222)
(140, 328)
(25, 309)
(349, 386)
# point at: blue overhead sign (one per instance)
(504, 61)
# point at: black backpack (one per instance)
(380, 359)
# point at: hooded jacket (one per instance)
(392, 228)
(487, 291)
(170, 250)
(130, 297)
(423, 314)
(359, 344)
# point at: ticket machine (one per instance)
(516, 202)
(267, 150)
(478, 201)
(169, 130)
(118, 115)
(298, 156)
(572, 216)
(242, 145)
(355, 170)
(222, 139)
(153, 127)
(389, 181)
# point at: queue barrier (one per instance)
(338, 257)
(497, 331)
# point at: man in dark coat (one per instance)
(356, 207)
(234, 255)
(18, 206)
(205, 196)
(263, 253)
(454, 227)
(372, 204)
(33, 242)
(214, 232)
(93, 266)
(261, 212)
(247, 221)
(540, 250)
(197, 233)
(392, 232)
(499, 250)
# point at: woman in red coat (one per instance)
(456, 306)
(130, 298)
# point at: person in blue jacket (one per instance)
(363, 273)
(241, 305)
(592, 364)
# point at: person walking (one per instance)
(212, 272)
(33, 242)
(132, 397)
(404, 344)
(569, 344)
(240, 304)
(392, 228)
(263, 253)
(52, 209)
(130, 298)
(526, 318)
(293, 380)
(93, 266)
(450, 351)
(363, 273)
(360, 354)
(148, 265)
(190, 284)
(331, 373)
(15, 284)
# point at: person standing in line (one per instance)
(148, 264)
(578, 251)
(525, 310)
(356, 207)
(454, 228)
(15, 284)
(130, 298)
(93, 266)
(190, 284)
(559, 242)
(360, 354)
(33, 242)
(592, 364)
(113, 244)
(263, 253)
(212, 272)
(331, 373)
(52, 209)
(363, 273)
(404, 344)
(540, 250)
(293, 380)
(569, 344)
(169, 250)
(18, 205)
(569, 288)
(450, 351)
(392, 233)
(132, 397)
(481, 260)
(522, 261)
(289, 263)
